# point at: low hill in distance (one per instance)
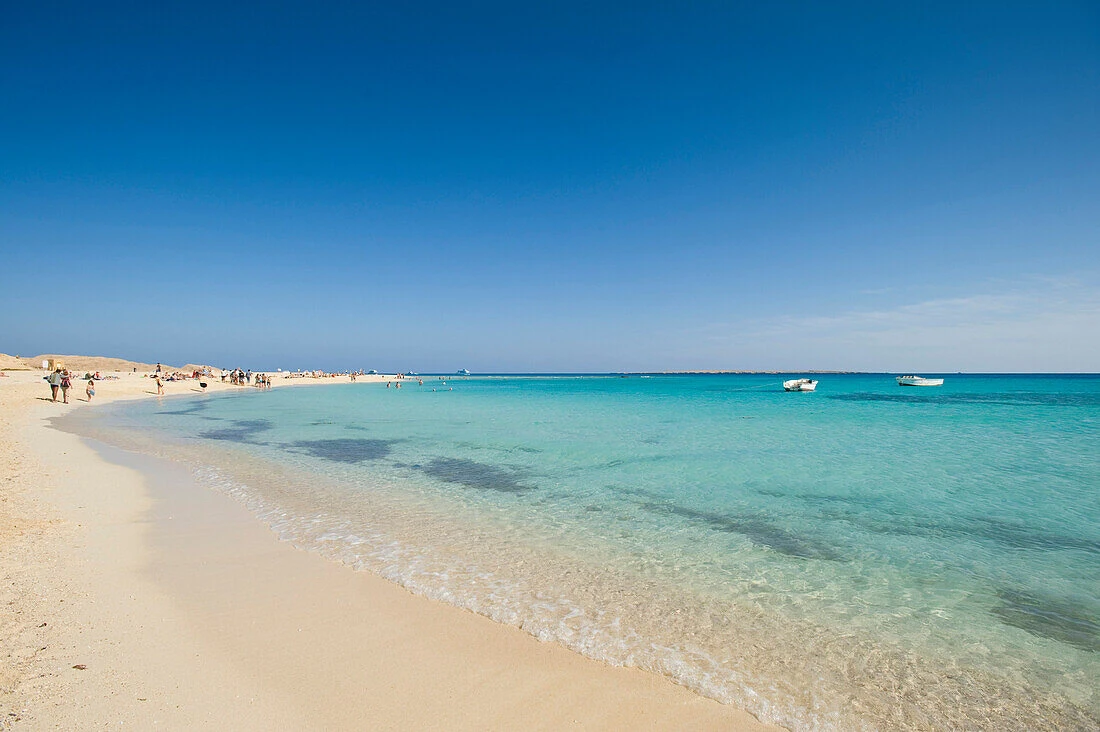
(90, 363)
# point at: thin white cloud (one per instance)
(1046, 324)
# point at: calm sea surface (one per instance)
(866, 556)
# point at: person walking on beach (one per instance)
(66, 384)
(54, 380)
(160, 386)
(90, 391)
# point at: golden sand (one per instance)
(139, 602)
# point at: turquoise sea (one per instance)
(865, 556)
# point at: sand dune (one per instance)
(13, 363)
(90, 363)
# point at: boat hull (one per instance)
(918, 381)
(799, 385)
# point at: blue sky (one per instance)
(554, 187)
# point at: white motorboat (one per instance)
(462, 372)
(799, 385)
(918, 381)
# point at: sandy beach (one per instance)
(133, 597)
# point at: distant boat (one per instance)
(463, 372)
(918, 381)
(799, 385)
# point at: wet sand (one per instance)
(133, 596)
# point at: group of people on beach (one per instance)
(318, 374)
(238, 377)
(62, 380)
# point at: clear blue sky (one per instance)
(553, 187)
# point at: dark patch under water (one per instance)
(473, 474)
(1010, 535)
(1018, 536)
(1048, 617)
(193, 408)
(1001, 398)
(346, 450)
(758, 530)
(243, 430)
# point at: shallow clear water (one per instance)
(864, 556)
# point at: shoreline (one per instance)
(184, 609)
